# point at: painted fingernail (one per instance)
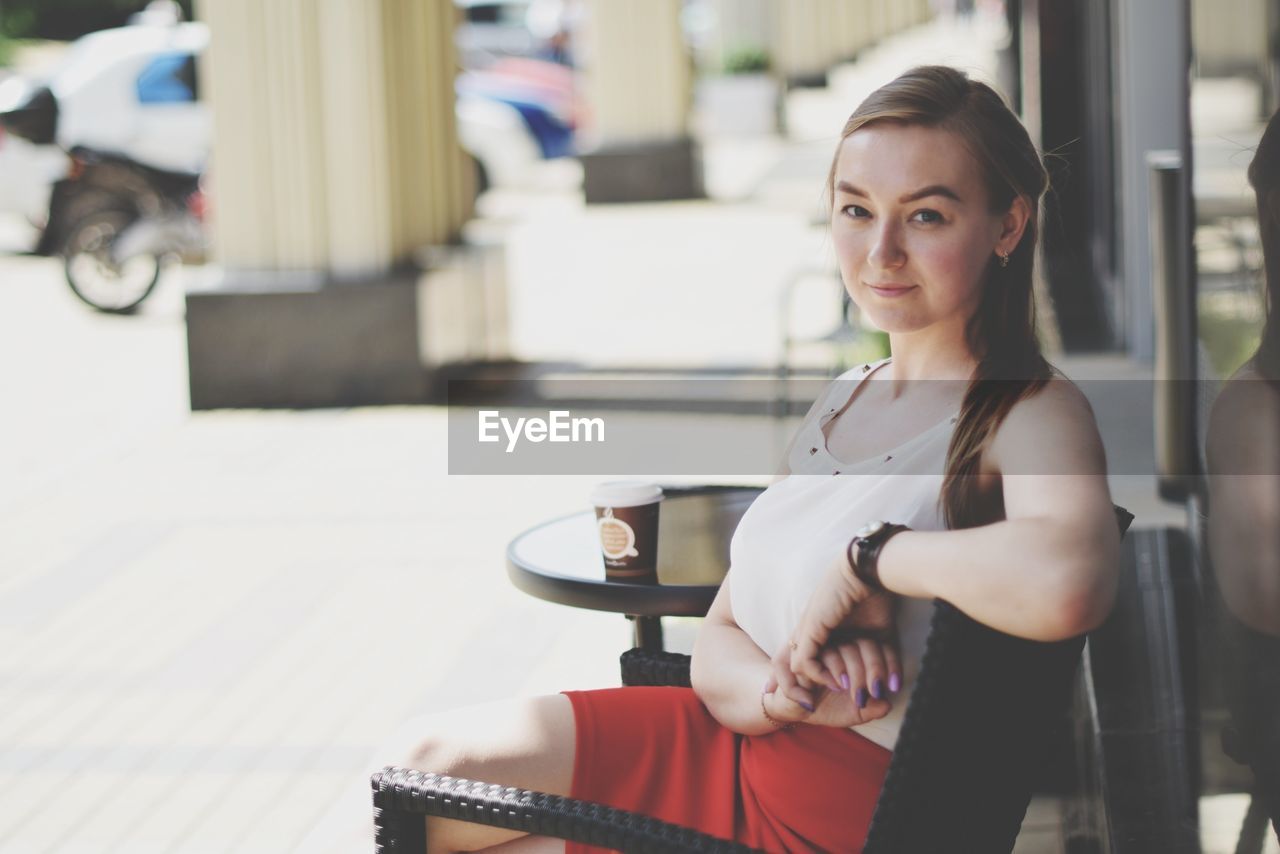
(895, 682)
(862, 698)
(844, 681)
(807, 706)
(877, 688)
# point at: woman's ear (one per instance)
(1012, 224)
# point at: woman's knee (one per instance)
(529, 743)
(421, 743)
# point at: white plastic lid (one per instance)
(625, 493)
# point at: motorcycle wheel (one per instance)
(94, 277)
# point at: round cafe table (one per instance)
(560, 560)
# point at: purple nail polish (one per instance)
(862, 698)
(877, 688)
(807, 706)
(895, 682)
(844, 681)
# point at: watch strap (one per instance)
(864, 551)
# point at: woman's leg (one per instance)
(529, 845)
(527, 743)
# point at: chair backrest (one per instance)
(974, 736)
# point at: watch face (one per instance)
(870, 528)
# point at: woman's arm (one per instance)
(1243, 455)
(1050, 570)
(727, 665)
(729, 671)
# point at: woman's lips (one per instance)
(891, 290)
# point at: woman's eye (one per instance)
(856, 211)
(927, 216)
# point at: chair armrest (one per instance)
(402, 797)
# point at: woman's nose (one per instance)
(886, 252)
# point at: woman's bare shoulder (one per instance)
(1052, 430)
(1244, 391)
(1243, 422)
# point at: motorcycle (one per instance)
(115, 221)
(112, 219)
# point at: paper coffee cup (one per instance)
(627, 523)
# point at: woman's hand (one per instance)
(841, 602)
(846, 702)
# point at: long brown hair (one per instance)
(1002, 332)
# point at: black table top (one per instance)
(560, 561)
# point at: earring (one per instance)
(1004, 258)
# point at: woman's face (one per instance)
(912, 227)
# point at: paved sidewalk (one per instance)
(208, 622)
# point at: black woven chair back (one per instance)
(974, 736)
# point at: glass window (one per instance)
(168, 79)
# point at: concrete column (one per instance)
(638, 81)
(900, 16)
(843, 31)
(270, 209)
(334, 142)
(852, 26)
(1229, 40)
(800, 45)
(878, 18)
(335, 162)
(830, 40)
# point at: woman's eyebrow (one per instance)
(923, 192)
(931, 190)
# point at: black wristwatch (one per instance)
(864, 551)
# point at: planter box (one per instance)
(738, 104)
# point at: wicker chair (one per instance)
(970, 749)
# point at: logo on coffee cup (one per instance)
(617, 538)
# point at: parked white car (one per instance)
(133, 90)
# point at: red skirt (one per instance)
(658, 751)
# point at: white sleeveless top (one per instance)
(794, 530)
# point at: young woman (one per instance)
(964, 436)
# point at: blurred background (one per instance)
(248, 245)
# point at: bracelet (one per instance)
(777, 724)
